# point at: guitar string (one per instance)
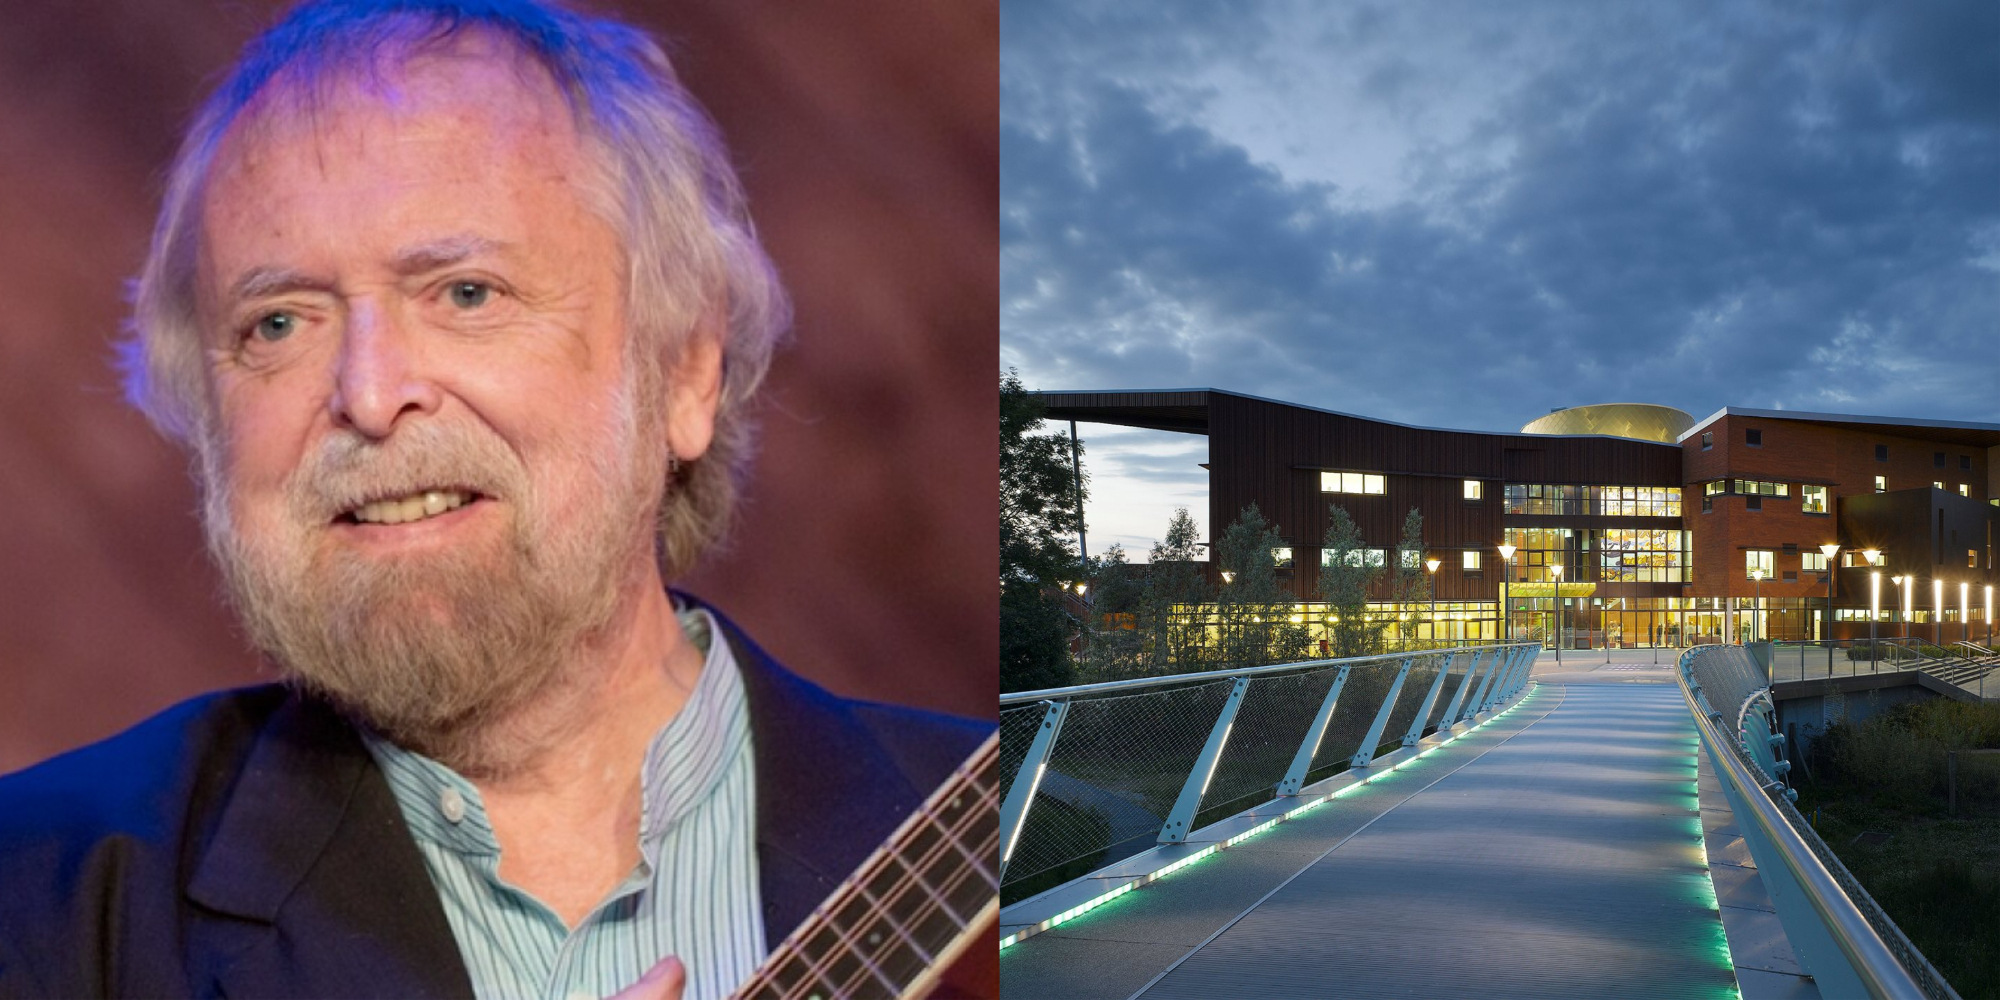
(791, 951)
(966, 870)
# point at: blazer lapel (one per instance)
(313, 883)
(827, 794)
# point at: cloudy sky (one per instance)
(1463, 214)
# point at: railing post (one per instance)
(1416, 732)
(1450, 716)
(1478, 702)
(1374, 738)
(1014, 812)
(1295, 776)
(1176, 829)
(1509, 683)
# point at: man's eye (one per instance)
(470, 294)
(276, 326)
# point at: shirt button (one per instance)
(453, 805)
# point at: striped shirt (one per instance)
(693, 894)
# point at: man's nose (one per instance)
(379, 376)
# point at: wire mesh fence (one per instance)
(1124, 751)
(1723, 672)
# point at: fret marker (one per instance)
(875, 937)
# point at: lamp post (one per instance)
(1965, 610)
(1757, 604)
(1555, 601)
(1989, 616)
(1830, 549)
(1874, 614)
(1507, 576)
(1432, 565)
(1909, 602)
(1937, 611)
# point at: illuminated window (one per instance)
(1757, 562)
(1754, 438)
(1965, 489)
(1711, 489)
(1971, 558)
(1352, 482)
(1281, 557)
(1812, 499)
(1471, 563)
(1637, 501)
(1374, 558)
(1937, 485)
(1758, 487)
(1881, 484)
(1535, 498)
(1643, 555)
(1410, 558)
(1474, 489)
(1812, 562)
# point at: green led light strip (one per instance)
(1085, 907)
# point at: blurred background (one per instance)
(866, 133)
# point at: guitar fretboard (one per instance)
(908, 910)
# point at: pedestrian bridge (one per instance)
(1500, 835)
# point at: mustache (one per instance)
(347, 470)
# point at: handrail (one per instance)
(1873, 961)
(1201, 676)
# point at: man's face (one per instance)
(430, 480)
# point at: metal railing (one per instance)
(1965, 664)
(1098, 772)
(1840, 934)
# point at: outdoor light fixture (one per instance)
(1909, 602)
(1432, 565)
(1989, 616)
(1874, 614)
(1829, 550)
(1506, 576)
(1555, 601)
(1228, 576)
(1937, 609)
(1871, 555)
(1757, 575)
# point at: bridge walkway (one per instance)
(1556, 851)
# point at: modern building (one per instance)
(1669, 530)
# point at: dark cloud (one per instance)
(1767, 205)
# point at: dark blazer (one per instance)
(245, 844)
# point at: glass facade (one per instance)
(1538, 549)
(1599, 501)
(1640, 555)
(1352, 482)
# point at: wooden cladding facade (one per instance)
(1272, 453)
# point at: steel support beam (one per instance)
(1509, 682)
(1416, 732)
(1182, 818)
(1450, 716)
(1295, 776)
(1366, 752)
(1014, 811)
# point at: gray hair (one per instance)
(692, 255)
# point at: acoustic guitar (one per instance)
(912, 908)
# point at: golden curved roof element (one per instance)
(1642, 421)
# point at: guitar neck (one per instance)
(898, 922)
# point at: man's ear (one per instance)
(694, 388)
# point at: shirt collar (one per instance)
(684, 763)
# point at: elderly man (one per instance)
(459, 310)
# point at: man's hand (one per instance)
(662, 982)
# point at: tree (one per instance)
(1253, 611)
(1039, 501)
(1346, 575)
(1174, 589)
(1412, 590)
(1116, 645)
(1039, 494)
